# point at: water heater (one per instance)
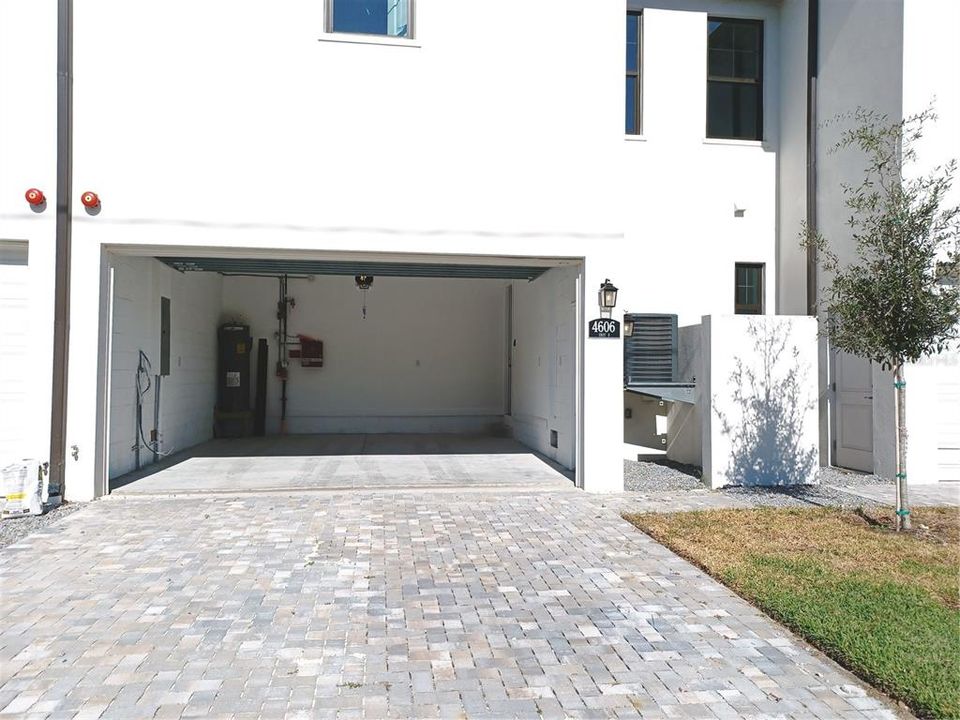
(233, 386)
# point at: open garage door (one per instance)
(479, 353)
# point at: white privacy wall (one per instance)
(428, 358)
(758, 398)
(188, 394)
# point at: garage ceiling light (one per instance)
(363, 281)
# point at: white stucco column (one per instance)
(82, 382)
(602, 392)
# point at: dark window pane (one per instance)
(719, 110)
(720, 63)
(746, 117)
(719, 35)
(746, 36)
(632, 59)
(745, 65)
(733, 110)
(749, 289)
(372, 17)
(631, 105)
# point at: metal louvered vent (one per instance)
(650, 354)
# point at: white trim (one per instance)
(361, 39)
(635, 138)
(733, 141)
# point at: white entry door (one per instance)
(853, 412)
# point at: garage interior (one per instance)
(258, 373)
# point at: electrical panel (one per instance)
(164, 336)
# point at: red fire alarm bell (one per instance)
(35, 197)
(90, 200)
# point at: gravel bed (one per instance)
(666, 475)
(642, 476)
(15, 529)
(799, 496)
(839, 476)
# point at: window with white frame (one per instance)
(390, 18)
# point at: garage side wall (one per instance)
(188, 394)
(429, 357)
(544, 364)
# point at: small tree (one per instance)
(894, 303)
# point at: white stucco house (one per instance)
(217, 159)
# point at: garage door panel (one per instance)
(15, 366)
(948, 424)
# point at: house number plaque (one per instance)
(604, 328)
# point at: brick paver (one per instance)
(366, 604)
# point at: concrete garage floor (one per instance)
(338, 462)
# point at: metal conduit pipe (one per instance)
(61, 311)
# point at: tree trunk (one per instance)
(903, 506)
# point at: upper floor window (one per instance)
(735, 79)
(634, 77)
(371, 17)
(749, 289)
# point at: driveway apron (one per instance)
(388, 604)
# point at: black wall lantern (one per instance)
(607, 296)
(627, 326)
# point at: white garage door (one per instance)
(13, 349)
(948, 441)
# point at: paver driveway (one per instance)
(482, 604)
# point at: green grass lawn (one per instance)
(884, 605)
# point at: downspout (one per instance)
(813, 50)
(61, 312)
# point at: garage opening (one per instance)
(246, 373)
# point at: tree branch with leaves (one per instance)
(897, 301)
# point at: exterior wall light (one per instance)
(607, 297)
(627, 326)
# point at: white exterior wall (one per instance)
(931, 58)
(448, 148)
(435, 146)
(910, 44)
(188, 394)
(28, 142)
(681, 237)
(792, 196)
(428, 358)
